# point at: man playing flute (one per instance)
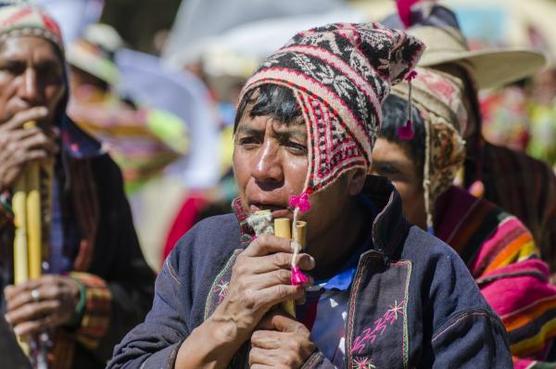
(96, 283)
(384, 293)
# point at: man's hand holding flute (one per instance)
(260, 281)
(49, 301)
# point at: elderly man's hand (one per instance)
(19, 145)
(280, 342)
(40, 304)
(260, 280)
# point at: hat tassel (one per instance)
(406, 132)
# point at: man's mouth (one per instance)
(278, 211)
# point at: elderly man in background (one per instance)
(96, 283)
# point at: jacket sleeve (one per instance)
(155, 342)
(471, 339)
(123, 277)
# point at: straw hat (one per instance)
(490, 68)
(94, 52)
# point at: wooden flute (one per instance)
(28, 239)
(283, 229)
(261, 222)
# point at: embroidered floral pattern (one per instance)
(364, 363)
(222, 290)
(370, 335)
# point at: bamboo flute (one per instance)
(282, 229)
(34, 234)
(19, 204)
(28, 242)
(261, 222)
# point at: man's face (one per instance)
(270, 165)
(392, 161)
(31, 75)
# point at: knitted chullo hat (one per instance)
(438, 98)
(18, 18)
(340, 74)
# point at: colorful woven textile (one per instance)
(522, 186)
(503, 258)
(340, 74)
(28, 20)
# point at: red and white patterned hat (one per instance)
(340, 74)
(17, 18)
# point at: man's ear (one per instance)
(356, 180)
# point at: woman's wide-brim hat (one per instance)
(491, 68)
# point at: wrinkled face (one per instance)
(270, 165)
(392, 160)
(31, 75)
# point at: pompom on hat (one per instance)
(340, 74)
(19, 18)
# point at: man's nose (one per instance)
(268, 166)
(30, 90)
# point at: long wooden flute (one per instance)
(28, 240)
(28, 228)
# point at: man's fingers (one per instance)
(262, 358)
(32, 311)
(277, 320)
(16, 301)
(268, 244)
(284, 323)
(265, 339)
(275, 278)
(34, 114)
(39, 140)
(277, 261)
(261, 366)
(277, 294)
(20, 294)
(33, 327)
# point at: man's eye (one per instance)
(387, 170)
(296, 148)
(13, 68)
(248, 141)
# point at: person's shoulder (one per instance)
(421, 246)
(440, 272)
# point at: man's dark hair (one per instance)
(394, 116)
(275, 101)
